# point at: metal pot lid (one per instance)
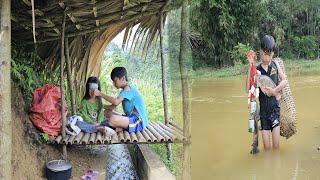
(59, 165)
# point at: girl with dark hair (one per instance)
(91, 109)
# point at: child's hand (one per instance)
(251, 56)
(97, 93)
(270, 91)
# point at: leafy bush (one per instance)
(238, 54)
(305, 46)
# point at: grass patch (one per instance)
(293, 67)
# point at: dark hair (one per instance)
(268, 44)
(91, 79)
(118, 72)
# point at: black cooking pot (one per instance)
(58, 170)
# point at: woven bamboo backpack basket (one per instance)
(288, 115)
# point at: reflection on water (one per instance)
(221, 143)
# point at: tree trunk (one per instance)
(186, 174)
(5, 91)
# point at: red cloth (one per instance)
(252, 81)
(45, 111)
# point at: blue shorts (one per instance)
(135, 123)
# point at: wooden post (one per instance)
(164, 86)
(186, 174)
(5, 91)
(69, 77)
(63, 117)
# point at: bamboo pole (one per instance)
(164, 86)
(63, 117)
(5, 91)
(186, 174)
(70, 78)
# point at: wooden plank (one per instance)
(78, 138)
(92, 138)
(85, 138)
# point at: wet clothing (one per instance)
(133, 104)
(269, 106)
(91, 111)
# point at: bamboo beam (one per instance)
(63, 117)
(5, 91)
(186, 174)
(95, 13)
(102, 27)
(70, 78)
(38, 11)
(71, 17)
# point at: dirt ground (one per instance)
(30, 156)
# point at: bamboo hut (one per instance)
(71, 35)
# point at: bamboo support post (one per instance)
(63, 117)
(186, 174)
(164, 85)
(70, 78)
(5, 91)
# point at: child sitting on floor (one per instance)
(135, 118)
(92, 111)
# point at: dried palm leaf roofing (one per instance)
(90, 26)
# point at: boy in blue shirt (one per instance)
(135, 118)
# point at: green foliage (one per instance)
(44, 137)
(24, 73)
(238, 54)
(305, 46)
(224, 24)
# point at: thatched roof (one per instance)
(90, 26)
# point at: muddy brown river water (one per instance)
(221, 141)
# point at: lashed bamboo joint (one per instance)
(155, 133)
